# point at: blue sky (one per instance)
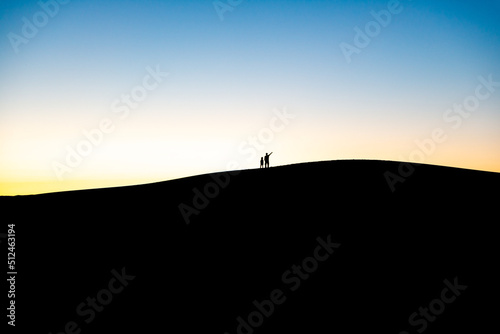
(225, 78)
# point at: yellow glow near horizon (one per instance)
(151, 150)
(121, 162)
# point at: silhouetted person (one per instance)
(261, 162)
(266, 159)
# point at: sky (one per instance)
(111, 93)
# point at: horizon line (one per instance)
(239, 170)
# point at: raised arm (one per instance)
(270, 153)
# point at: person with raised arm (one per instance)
(266, 159)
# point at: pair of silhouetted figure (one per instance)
(265, 160)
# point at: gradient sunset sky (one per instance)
(233, 66)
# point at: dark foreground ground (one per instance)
(321, 247)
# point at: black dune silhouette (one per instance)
(235, 267)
